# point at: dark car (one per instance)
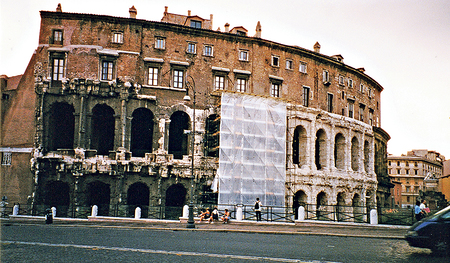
(432, 232)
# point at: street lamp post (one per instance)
(191, 85)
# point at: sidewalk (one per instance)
(307, 227)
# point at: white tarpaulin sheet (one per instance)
(252, 160)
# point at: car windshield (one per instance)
(443, 211)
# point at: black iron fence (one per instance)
(335, 213)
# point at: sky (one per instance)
(403, 45)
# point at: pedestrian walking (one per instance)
(417, 211)
(258, 208)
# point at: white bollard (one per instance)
(185, 211)
(239, 214)
(53, 212)
(94, 212)
(301, 213)
(373, 217)
(137, 213)
(16, 210)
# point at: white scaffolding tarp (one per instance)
(252, 160)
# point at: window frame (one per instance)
(117, 37)
(160, 43)
(243, 55)
(351, 109)
(57, 77)
(223, 82)
(194, 23)
(341, 80)
(306, 95)
(209, 53)
(178, 79)
(109, 74)
(303, 67)
(330, 98)
(191, 48)
(154, 76)
(289, 64)
(350, 83)
(241, 81)
(326, 77)
(7, 158)
(57, 36)
(275, 89)
(275, 61)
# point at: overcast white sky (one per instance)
(404, 45)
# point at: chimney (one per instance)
(133, 12)
(227, 28)
(58, 8)
(189, 12)
(258, 30)
(166, 8)
(317, 47)
(362, 69)
(211, 18)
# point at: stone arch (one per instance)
(212, 135)
(358, 210)
(340, 207)
(300, 199)
(367, 156)
(57, 194)
(321, 206)
(321, 149)
(178, 139)
(103, 127)
(355, 154)
(299, 144)
(138, 196)
(99, 194)
(141, 132)
(175, 199)
(61, 126)
(339, 151)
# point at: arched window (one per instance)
(321, 149)
(99, 195)
(141, 132)
(339, 151)
(138, 196)
(355, 154)
(212, 134)
(300, 199)
(178, 139)
(61, 127)
(299, 146)
(103, 126)
(366, 156)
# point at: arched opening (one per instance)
(212, 135)
(57, 195)
(138, 196)
(321, 206)
(103, 126)
(175, 199)
(340, 207)
(99, 194)
(355, 154)
(299, 146)
(178, 139)
(321, 149)
(358, 210)
(366, 156)
(141, 132)
(339, 151)
(300, 199)
(61, 126)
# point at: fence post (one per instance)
(239, 214)
(16, 210)
(53, 212)
(185, 211)
(94, 211)
(373, 217)
(301, 213)
(137, 213)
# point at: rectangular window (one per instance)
(160, 43)
(361, 112)
(152, 76)
(117, 37)
(241, 85)
(275, 90)
(306, 96)
(243, 55)
(289, 64)
(330, 102)
(57, 69)
(275, 61)
(191, 48)
(371, 117)
(6, 158)
(178, 78)
(208, 51)
(350, 109)
(341, 80)
(107, 70)
(361, 88)
(302, 67)
(350, 83)
(196, 24)
(57, 37)
(219, 82)
(326, 77)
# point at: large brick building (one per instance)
(111, 121)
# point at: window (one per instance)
(289, 64)
(326, 77)
(306, 96)
(208, 50)
(275, 90)
(196, 24)
(243, 55)
(191, 48)
(275, 61)
(7, 158)
(341, 80)
(178, 78)
(107, 70)
(117, 37)
(371, 117)
(361, 112)
(241, 85)
(152, 76)
(57, 69)
(361, 88)
(57, 37)
(160, 43)
(350, 109)
(330, 102)
(219, 82)
(302, 67)
(350, 83)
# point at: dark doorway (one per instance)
(178, 139)
(175, 199)
(300, 199)
(103, 125)
(57, 195)
(141, 132)
(212, 134)
(61, 127)
(99, 195)
(138, 196)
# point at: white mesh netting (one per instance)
(252, 160)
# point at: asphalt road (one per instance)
(65, 243)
